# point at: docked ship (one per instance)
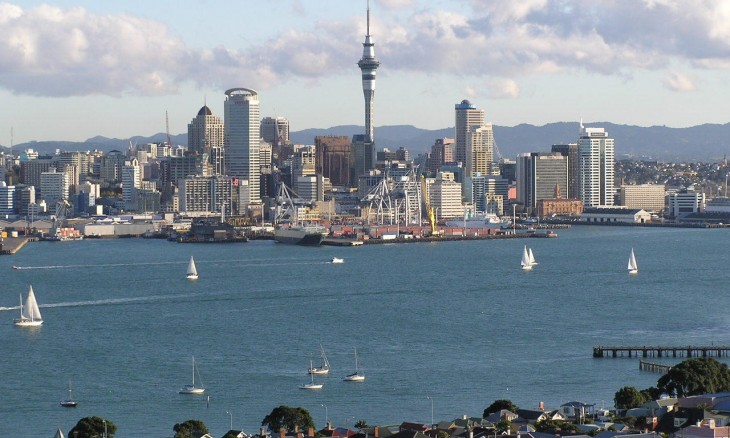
(300, 235)
(480, 220)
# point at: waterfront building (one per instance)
(649, 197)
(559, 207)
(466, 116)
(615, 214)
(333, 158)
(538, 174)
(488, 193)
(570, 150)
(309, 187)
(54, 186)
(685, 202)
(7, 197)
(205, 132)
(201, 195)
(445, 196)
(275, 131)
(596, 167)
(242, 139)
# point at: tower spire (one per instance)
(368, 24)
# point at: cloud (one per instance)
(53, 51)
(678, 82)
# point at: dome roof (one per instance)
(205, 111)
(465, 102)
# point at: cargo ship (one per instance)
(295, 235)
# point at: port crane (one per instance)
(429, 210)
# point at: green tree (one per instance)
(361, 424)
(189, 428)
(498, 405)
(503, 426)
(629, 397)
(695, 376)
(554, 425)
(92, 427)
(288, 418)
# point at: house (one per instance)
(532, 416)
(576, 409)
(236, 434)
(706, 429)
(502, 414)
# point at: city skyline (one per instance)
(75, 69)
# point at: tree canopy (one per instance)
(498, 405)
(288, 418)
(695, 376)
(89, 427)
(190, 428)
(629, 397)
(553, 425)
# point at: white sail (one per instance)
(526, 264)
(31, 307)
(633, 267)
(192, 271)
(192, 389)
(532, 257)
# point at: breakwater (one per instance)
(661, 351)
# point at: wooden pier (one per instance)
(654, 367)
(661, 351)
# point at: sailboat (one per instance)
(30, 315)
(526, 262)
(192, 272)
(192, 389)
(533, 262)
(324, 368)
(69, 403)
(356, 376)
(633, 267)
(311, 385)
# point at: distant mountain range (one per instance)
(706, 142)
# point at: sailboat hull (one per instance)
(27, 323)
(354, 378)
(191, 390)
(69, 404)
(318, 371)
(192, 276)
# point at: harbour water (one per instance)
(458, 322)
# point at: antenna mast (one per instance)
(368, 32)
(167, 130)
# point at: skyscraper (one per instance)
(241, 115)
(275, 130)
(538, 175)
(205, 132)
(467, 116)
(596, 167)
(571, 151)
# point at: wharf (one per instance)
(661, 351)
(11, 245)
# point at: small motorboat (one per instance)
(337, 260)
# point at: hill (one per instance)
(708, 142)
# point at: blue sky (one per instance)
(70, 70)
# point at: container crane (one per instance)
(429, 211)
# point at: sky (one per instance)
(73, 69)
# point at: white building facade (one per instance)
(242, 138)
(596, 162)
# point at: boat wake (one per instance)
(249, 262)
(109, 301)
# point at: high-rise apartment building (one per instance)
(570, 150)
(54, 186)
(31, 170)
(242, 127)
(479, 149)
(333, 158)
(275, 131)
(596, 162)
(203, 195)
(442, 152)
(445, 196)
(131, 182)
(467, 115)
(539, 174)
(7, 196)
(205, 132)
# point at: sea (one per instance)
(440, 329)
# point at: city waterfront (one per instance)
(458, 322)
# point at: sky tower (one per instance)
(368, 65)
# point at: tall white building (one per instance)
(445, 196)
(6, 199)
(596, 163)
(54, 186)
(466, 116)
(479, 149)
(242, 141)
(131, 182)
